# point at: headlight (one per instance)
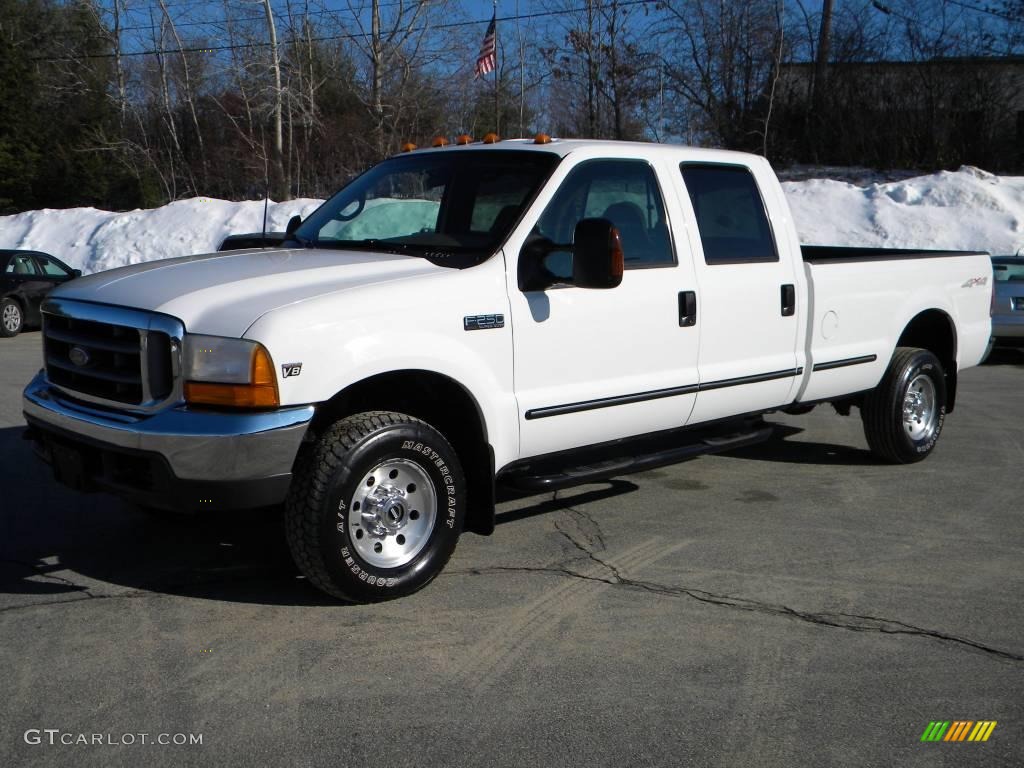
(228, 372)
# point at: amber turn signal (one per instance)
(261, 392)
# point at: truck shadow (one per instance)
(781, 449)
(56, 543)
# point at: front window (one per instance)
(21, 265)
(626, 193)
(440, 205)
(51, 268)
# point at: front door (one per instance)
(595, 365)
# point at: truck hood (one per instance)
(222, 294)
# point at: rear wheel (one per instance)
(12, 319)
(904, 414)
(376, 507)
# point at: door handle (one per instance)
(687, 309)
(788, 300)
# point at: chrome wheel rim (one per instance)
(393, 512)
(920, 408)
(12, 317)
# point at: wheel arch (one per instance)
(443, 403)
(934, 330)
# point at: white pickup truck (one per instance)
(524, 313)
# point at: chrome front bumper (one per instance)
(204, 450)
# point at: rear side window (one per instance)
(730, 214)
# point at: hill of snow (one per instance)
(968, 209)
(965, 209)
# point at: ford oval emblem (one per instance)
(78, 356)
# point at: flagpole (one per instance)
(497, 126)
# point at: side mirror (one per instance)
(293, 223)
(597, 258)
(76, 273)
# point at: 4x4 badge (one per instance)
(291, 369)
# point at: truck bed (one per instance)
(862, 298)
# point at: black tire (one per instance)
(331, 500)
(12, 318)
(899, 428)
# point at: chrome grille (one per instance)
(110, 355)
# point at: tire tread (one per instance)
(877, 410)
(310, 485)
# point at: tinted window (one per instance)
(51, 268)
(623, 191)
(730, 214)
(499, 199)
(21, 265)
(1008, 270)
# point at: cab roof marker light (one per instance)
(440, 141)
(541, 138)
(464, 139)
(408, 146)
(491, 138)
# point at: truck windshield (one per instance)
(1008, 270)
(453, 207)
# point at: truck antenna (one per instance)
(266, 202)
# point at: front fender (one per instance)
(342, 339)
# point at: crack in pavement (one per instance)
(848, 621)
(86, 597)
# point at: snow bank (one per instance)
(94, 240)
(968, 209)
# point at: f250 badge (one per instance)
(482, 322)
(291, 369)
(975, 281)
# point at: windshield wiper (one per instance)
(381, 245)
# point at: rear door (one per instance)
(748, 313)
(597, 365)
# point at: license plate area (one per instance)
(68, 466)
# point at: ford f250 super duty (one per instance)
(526, 313)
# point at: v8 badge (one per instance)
(291, 369)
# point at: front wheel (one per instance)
(376, 507)
(904, 414)
(11, 318)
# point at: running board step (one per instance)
(530, 479)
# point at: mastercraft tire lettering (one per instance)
(376, 507)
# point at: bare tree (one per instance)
(279, 183)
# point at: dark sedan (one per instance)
(25, 279)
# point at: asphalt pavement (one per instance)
(791, 604)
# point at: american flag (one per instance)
(487, 59)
